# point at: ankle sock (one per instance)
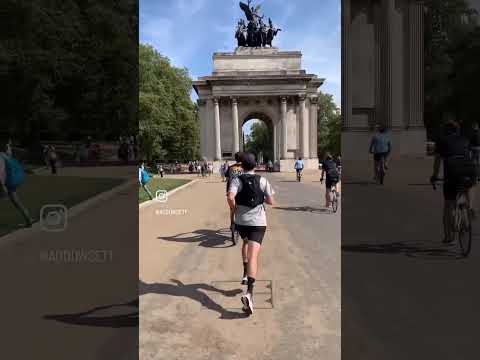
(250, 282)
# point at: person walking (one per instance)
(52, 158)
(12, 177)
(247, 195)
(143, 179)
(222, 170)
(270, 166)
(160, 169)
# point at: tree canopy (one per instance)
(168, 126)
(68, 68)
(452, 72)
(260, 141)
(329, 126)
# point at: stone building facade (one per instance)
(382, 75)
(265, 84)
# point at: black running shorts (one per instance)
(251, 233)
(379, 156)
(329, 182)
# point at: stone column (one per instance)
(274, 142)
(236, 137)
(313, 127)
(218, 148)
(203, 127)
(416, 65)
(346, 65)
(284, 142)
(386, 48)
(304, 125)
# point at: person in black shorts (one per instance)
(458, 167)
(246, 197)
(329, 168)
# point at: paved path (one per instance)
(66, 310)
(404, 294)
(189, 278)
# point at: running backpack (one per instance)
(331, 170)
(14, 171)
(251, 194)
(145, 177)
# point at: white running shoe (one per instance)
(247, 302)
(244, 280)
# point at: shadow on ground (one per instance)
(193, 291)
(305, 209)
(89, 318)
(207, 238)
(417, 249)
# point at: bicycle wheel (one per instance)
(334, 201)
(464, 230)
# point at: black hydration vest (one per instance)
(251, 194)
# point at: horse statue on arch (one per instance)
(271, 33)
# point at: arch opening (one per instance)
(257, 137)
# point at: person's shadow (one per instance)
(94, 316)
(193, 291)
(305, 209)
(206, 238)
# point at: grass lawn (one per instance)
(41, 190)
(159, 184)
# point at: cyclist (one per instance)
(299, 166)
(380, 147)
(330, 168)
(246, 197)
(458, 167)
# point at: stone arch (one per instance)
(269, 122)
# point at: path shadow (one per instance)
(424, 250)
(89, 318)
(218, 239)
(360, 182)
(193, 291)
(305, 209)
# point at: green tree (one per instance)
(260, 141)
(329, 126)
(168, 126)
(451, 62)
(69, 67)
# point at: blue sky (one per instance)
(190, 31)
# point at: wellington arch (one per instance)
(263, 83)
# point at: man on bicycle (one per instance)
(458, 168)
(329, 167)
(380, 147)
(299, 166)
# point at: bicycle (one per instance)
(334, 198)
(299, 175)
(457, 222)
(380, 170)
